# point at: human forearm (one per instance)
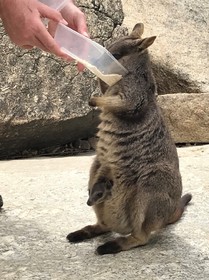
(23, 24)
(22, 20)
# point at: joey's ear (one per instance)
(137, 31)
(146, 42)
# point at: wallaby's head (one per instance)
(99, 192)
(138, 86)
(130, 47)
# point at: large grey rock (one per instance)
(44, 100)
(187, 116)
(181, 49)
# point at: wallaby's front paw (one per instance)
(110, 247)
(77, 236)
(92, 102)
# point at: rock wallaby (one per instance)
(135, 185)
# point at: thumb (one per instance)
(81, 27)
(52, 25)
(49, 13)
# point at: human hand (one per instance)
(22, 22)
(75, 19)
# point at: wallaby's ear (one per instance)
(103, 86)
(137, 31)
(146, 42)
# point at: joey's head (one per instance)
(99, 192)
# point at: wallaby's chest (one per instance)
(118, 144)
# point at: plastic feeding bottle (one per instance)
(94, 56)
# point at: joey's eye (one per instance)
(99, 195)
(117, 55)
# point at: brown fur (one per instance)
(136, 152)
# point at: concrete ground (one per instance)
(45, 199)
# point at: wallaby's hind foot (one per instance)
(123, 244)
(185, 199)
(86, 233)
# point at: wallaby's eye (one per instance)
(117, 55)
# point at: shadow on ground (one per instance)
(45, 199)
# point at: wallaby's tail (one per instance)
(185, 199)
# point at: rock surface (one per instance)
(45, 199)
(44, 100)
(187, 116)
(181, 48)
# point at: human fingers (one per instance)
(47, 43)
(81, 27)
(52, 29)
(80, 67)
(80, 24)
(28, 47)
(49, 13)
(52, 25)
(75, 17)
